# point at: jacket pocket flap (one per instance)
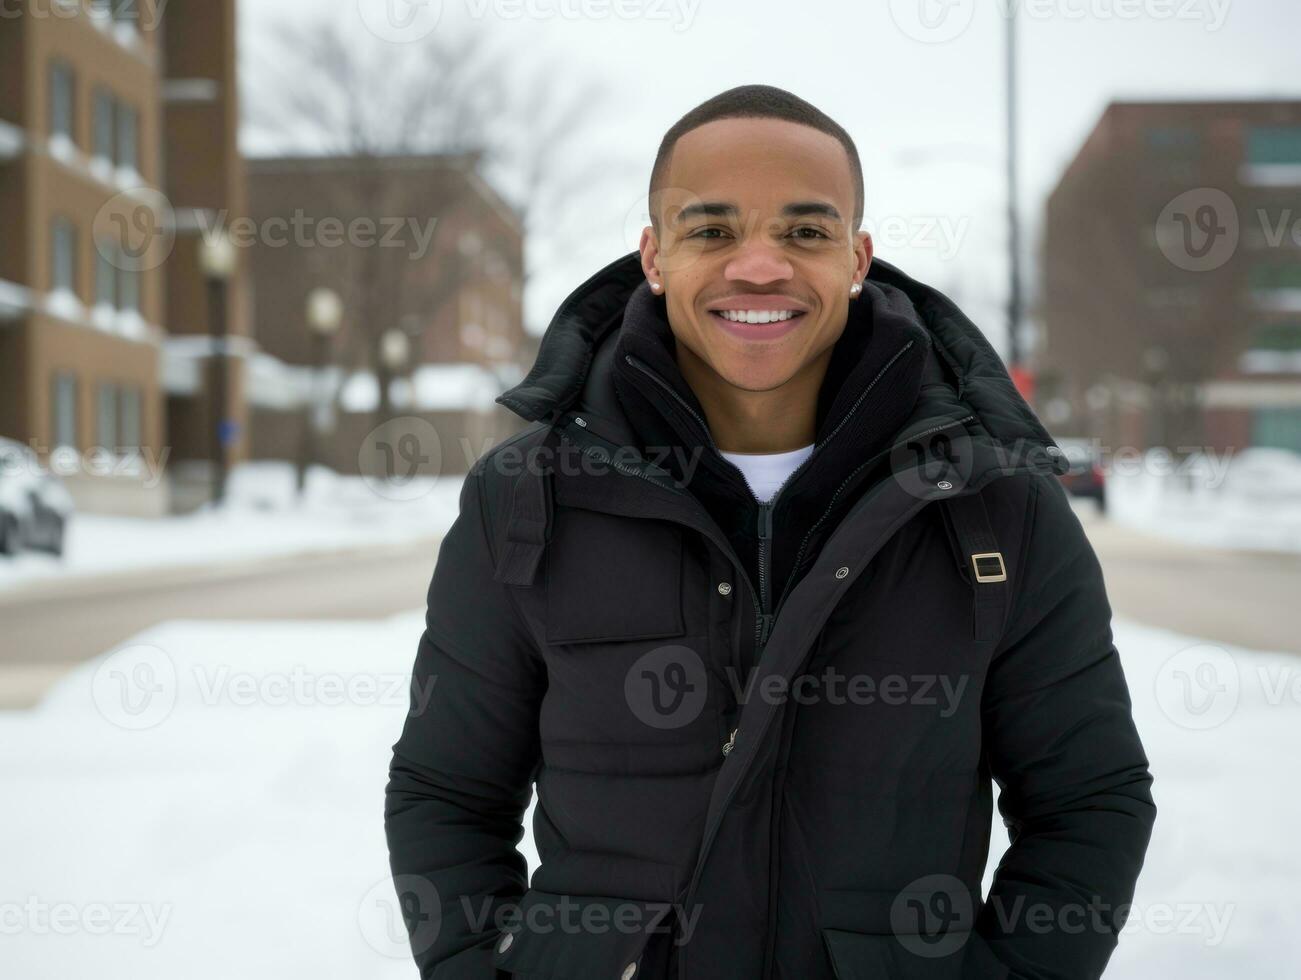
(611, 579)
(578, 937)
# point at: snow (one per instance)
(261, 518)
(231, 824)
(1249, 501)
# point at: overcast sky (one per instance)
(917, 83)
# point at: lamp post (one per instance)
(218, 261)
(394, 351)
(324, 315)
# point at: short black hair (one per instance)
(758, 102)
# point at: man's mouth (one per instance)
(757, 316)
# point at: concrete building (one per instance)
(116, 121)
(1172, 279)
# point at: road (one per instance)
(51, 625)
(1250, 599)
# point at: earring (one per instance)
(655, 287)
(855, 289)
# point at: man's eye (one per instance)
(816, 232)
(707, 232)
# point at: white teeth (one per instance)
(756, 316)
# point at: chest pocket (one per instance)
(612, 578)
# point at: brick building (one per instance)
(1172, 279)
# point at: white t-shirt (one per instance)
(765, 472)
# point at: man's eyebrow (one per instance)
(803, 208)
(722, 209)
(706, 209)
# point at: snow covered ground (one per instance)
(1252, 501)
(206, 802)
(262, 517)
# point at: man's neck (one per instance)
(775, 421)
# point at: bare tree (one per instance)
(524, 123)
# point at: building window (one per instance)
(62, 100)
(105, 275)
(128, 127)
(63, 410)
(106, 417)
(63, 256)
(1278, 428)
(1268, 145)
(1177, 140)
(104, 125)
(129, 427)
(128, 290)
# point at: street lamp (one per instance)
(394, 351)
(218, 261)
(324, 316)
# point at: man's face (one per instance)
(755, 225)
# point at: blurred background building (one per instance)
(131, 344)
(1172, 279)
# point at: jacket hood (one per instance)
(964, 377)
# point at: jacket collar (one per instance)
(962, 379)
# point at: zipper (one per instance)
(808, 535)
(764, 616)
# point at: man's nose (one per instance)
(758, 260)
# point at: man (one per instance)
(779, 578)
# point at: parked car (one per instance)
(1085, 478)
(34, 503)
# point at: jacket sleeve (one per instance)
(1075, 791)
(461, 774)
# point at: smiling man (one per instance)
(775, 587)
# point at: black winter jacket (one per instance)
(826, 815)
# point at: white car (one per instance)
(34, 503)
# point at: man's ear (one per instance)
(650, 254)
(863, 252)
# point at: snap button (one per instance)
(628, 971)
(506, 940)
(945, 485)
(580, 421)
(724, 588)
(842, 571)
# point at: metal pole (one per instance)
(217, 316)
(1013, 222)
